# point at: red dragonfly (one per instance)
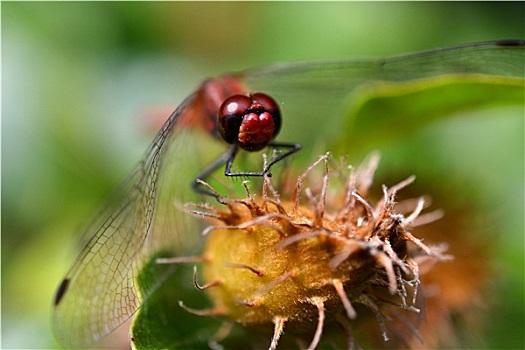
(140, 220)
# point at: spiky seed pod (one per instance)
(312, 253)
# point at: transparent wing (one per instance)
(494, 58)
(314, 94)
(142, 220)
(115, 271)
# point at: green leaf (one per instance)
(380, 112)
(162, 323)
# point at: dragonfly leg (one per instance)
(225, 158)
(292, 148)
(228, 158)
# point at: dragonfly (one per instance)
(115, 272)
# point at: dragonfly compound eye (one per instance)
(249, 121)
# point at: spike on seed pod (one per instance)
(313, 256)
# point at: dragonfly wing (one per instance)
(494, 58)
(141, 220)
(313, 94)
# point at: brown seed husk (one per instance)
(271, 258)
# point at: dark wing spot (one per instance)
(61, 291)
(510, 42)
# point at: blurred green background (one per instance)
(79, 80)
